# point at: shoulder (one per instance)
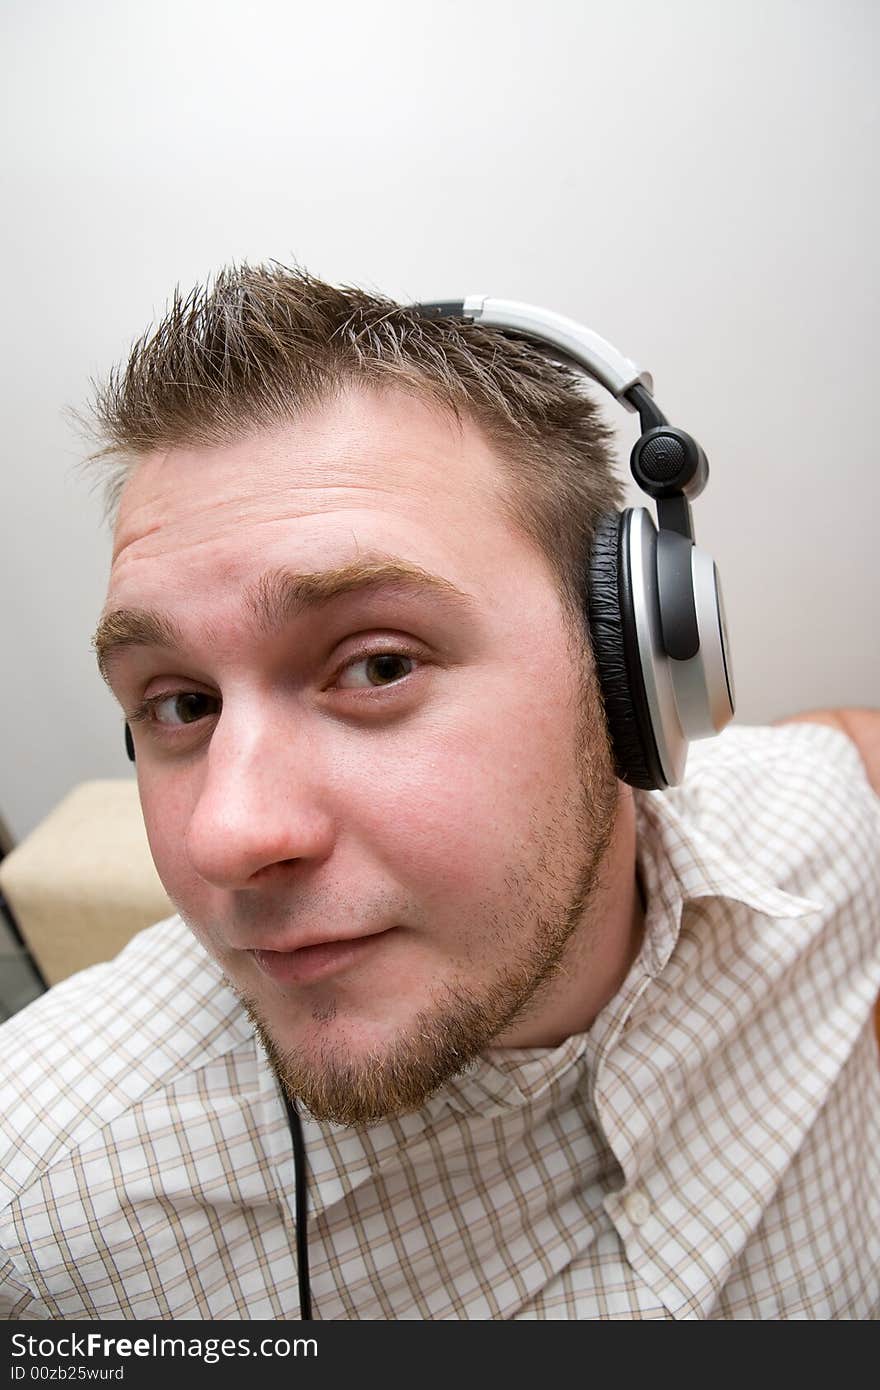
(95, 1047)
(797, 760)
(792, 801)
(861, 726)
(797, 747)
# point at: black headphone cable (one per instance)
(302, 1243)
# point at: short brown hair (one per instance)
(263, 343)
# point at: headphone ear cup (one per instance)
(611, 615)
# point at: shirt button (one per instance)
(637, 1207)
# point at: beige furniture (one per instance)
(83, 882)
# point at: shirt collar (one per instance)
(680, 863)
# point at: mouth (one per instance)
(308, 964)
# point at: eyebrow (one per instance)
(277, 597)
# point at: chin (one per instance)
(352, 1070)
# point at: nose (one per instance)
(263, 802)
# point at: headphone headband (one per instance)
(653, 600)
(569, 339)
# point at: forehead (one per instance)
(361, 471)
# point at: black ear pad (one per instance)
(615, 647)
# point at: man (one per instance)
(560, 1049)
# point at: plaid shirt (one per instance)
(710, 1149)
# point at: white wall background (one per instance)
(695, 179)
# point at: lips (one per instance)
(316, 962)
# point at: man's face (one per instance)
(382, 808)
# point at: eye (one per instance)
(177, 709)
(374, 671)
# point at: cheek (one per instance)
(166, 802)
(450, 812)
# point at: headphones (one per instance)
(653, 600)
